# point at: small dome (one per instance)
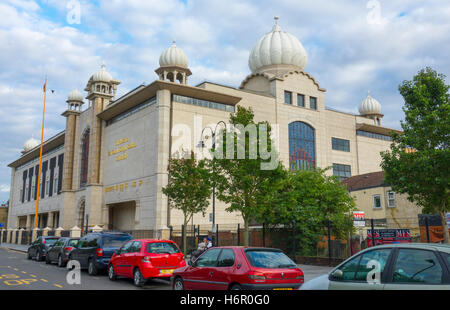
(75, 95)
(277, 48)
(173, 56)
(30, 144)
(102, 75)
(369, 106)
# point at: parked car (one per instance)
(94, 250)
(38, 248)
(60, 251)
(406, 266)
(144, 259)
(237, 268)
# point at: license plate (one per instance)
(166, 271)
(283, 289)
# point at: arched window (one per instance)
(84, 158)
(302, 146)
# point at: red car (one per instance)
(144, 259)
(236, 268)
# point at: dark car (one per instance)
(94, 250)
(60, 251)
(39, 247)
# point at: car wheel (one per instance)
(60, 261)
(47, 259)
(38, 256)
(28, 255)
(178, 284)
(236, 287)
(138, 279)
(92, 270)
(111, 274)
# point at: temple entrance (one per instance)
(122, 216)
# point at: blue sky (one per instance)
(353, 46)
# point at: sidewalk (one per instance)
(16, 247)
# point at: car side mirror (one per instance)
(337, 274)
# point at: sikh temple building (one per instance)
(109, 165)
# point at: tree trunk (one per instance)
(184, 236)
(445, 227)
(246, 232)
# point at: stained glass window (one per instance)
(302, 148)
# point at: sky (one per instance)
(353, 46)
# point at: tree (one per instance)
(188, 188)
(249, 169)
(310, 198)
(419, 158)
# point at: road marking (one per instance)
(43, 280)
(24, 272)
(16, 269)
(57, 285)
(32, 275)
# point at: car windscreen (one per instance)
(269, 259)
(162, 247)
(50, 241)
(115, 241)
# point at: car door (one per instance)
(418, 269)
(199, 275)
(363, 272)
(222, 273)
(52, 252)
(34, 246)
(120, 260)
(75, 254)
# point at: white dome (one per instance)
(30, 144)
(369, 106)
(75, 95)
(102, 75)
(277, 48)
(173, 56)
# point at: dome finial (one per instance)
(276, 19)
(103, 65)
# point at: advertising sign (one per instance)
(359, 219)
(388, 236)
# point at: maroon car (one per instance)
(237, 268)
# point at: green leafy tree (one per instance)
(188, 188)
(309, 199)
(418, 161)
(241, 175)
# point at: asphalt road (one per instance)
(19, 273)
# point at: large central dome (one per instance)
(277, 51)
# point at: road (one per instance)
(19, 273)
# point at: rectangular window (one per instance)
(313, 103)
(391, 199)
(287, 97)
(373, 135)
(340, 144)
(47, 185)
(301, 100)
(56, 185)
(376, 201)
(342, 171)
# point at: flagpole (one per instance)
(40, 161)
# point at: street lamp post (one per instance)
(202, 144)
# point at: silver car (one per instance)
(407, 266)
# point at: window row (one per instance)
(373, 135)
(50, 180)
(288, 99)
(203, 103)
(390, 197)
